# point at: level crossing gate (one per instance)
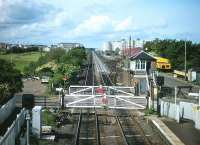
(117, 97)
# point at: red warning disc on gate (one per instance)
(104, 99)
(100, 90)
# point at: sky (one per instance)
(93, 22)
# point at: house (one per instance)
(68, 46)
(141, 67)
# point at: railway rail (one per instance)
(131, 130)
(102, 71)
(101, 128)
(98, 127)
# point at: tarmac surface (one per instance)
(185, 131)
(170, 81)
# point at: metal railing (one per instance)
(7, 109)
(13, 130)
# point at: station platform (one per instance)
(185, 131)
(167, 133)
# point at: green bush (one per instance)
(150, 111)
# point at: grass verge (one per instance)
(21, 59)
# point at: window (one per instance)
(143, 63)
(137, 64)
(140, 65)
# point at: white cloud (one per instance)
(95, 24)
(60, 18)
(126, 24)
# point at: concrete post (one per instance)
(197, 119)
(36, 121)
(175, 95)
(152, 93)
(69, 90)
(199, 97)
(176, 107)
(27, 125)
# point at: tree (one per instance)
(10, 79)
(56, 54)
(67, 71)
(3, 91)
(30, 69)
(75, 56)
(117, 50)
(175, 51)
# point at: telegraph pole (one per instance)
(185, 61)
(129, 73)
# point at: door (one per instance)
(142, 86)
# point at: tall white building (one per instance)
(139, 43)
(120, 45)
(115, 45)
(107, 46)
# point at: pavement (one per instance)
(34, 87)
(39, 90)
(185, 131)
(169, 135)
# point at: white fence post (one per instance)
(199, 97)
(175, 96)
(177, 108)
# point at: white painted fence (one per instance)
(168, 109)
(12, 132)
(182, 109)
(7, 109)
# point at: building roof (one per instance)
(131, 51)
(142, 56)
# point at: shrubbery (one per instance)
(60, 65)
(175, 51)
(10, 80)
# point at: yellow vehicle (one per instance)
(163, 63)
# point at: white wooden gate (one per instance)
(117, 97)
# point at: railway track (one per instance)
(109, 131)
(102, 71)
(131, 131)
(87, 132)
(107, 127)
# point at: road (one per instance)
(38, 89)
(170, 81)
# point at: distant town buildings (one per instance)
(114, 45)
(68, 46)
(3, 46)
(8, 46)
(121, 45)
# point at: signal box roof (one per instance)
(141, 55)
